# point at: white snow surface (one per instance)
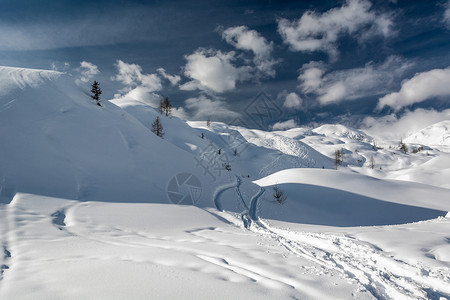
(434, 135)
(85, 212)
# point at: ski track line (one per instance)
(254, 203)
(383, 277)
(362, 262)
(220, 190)
(238, 192)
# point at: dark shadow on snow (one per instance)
(317, 205)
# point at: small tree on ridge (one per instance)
(96, 92)
(165, 107)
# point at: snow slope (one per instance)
(62, 249)
(345, 198)
(343, 132)
(57, 142)
(435, 135)
(287, 145)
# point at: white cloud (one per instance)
(138, 86)
(213, 71)
(285, 125)
(291, 100)
(393, 128)
(311, 76)
(334, 92)
(447, 14)
(320, 32)
(87, 71)
(421, 87)
(131, 76)
(245, 39)
(180, 112)
(60, 67)
(351, 84)
(202, 107)
(174, 79)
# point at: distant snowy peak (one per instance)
(434, 135)
(336, 130)
(14, 78)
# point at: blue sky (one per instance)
(356, 62)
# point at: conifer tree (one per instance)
(167, 106)
(338, 158)
(161, 107)
(403, 146)
(157, 128)
(96, 92)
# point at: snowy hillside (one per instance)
(87, 207)
(434, 136)
(57, 142)
(343, 132)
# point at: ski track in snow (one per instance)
(384, 277)
(361, 262)
(222, 189)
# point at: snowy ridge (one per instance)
(343, 131)
(290, 146)
(12, 78)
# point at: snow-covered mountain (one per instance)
(87, 207)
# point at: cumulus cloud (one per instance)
(372, 79)
(285, 125)
(180, 112)
(173, 79)
(393, 128)
(421, 87)
(131, 76)
(202, 107)
(311, 76)
(87, 71)
(291, 100)
(213, 71)
(138, 86)
(245, 39)
(320, 32)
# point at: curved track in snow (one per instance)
(362, 263)
(220, 190)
